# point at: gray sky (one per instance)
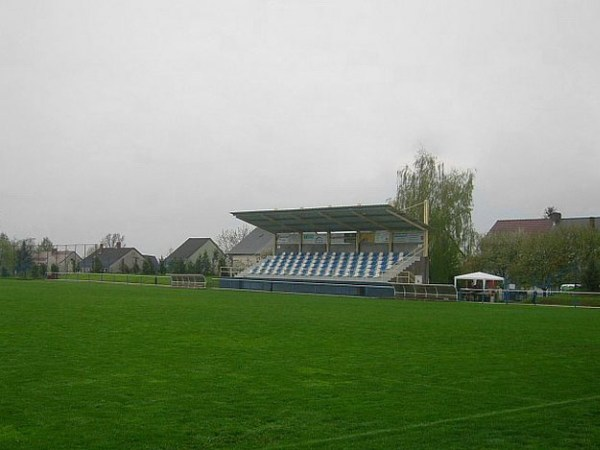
(154, 119)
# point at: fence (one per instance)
(190, 281)
(112, 278)
(425, 291)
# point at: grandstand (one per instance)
(355, 250)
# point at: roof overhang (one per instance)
(332, 219)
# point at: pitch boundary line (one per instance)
(438, 422)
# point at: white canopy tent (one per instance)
(478, 276)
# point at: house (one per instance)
(536, 226)
(193, 249)
(65, 260)
(115, 260)
(255, 246)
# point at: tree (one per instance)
(113, 240)
(562, 255)
(590, 273)
(24, 257)
(206, 266)
(136, 267)
(97, 266)
(177, 265)
(147, 267)
(162, 266)
(229, 238)
(39, 271)
(450, 198)
(46, 245)
(123, 267)
(218, 261)
(7, 256)
(499, 254)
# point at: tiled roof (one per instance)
(108, 256)
(187, 249)
(522, 225)
(542, 225)
(254, 243)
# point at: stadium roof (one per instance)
(333, 218)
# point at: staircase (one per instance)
(400, 270)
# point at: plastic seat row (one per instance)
(327, 264)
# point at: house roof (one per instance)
(333, 218)
(522, 225)
(542, 225)
(188, 248)
(254, 243)
(108, 256)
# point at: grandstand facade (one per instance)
(356, 250)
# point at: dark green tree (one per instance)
(591, 276)
(24, 257)
(7, 256)
(147, 267)
(97, 266)
(205, 265)
(135, 268)
(162, 266)
(177, 266)
(123, 267)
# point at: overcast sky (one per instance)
(155, 119)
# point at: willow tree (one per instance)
(450, 198)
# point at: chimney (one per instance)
(118, 244)
(101, 246)
(555, 217)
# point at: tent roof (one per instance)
(479, 276)
(337, 218)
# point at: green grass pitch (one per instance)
(96, 366)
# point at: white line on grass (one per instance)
(436, 422)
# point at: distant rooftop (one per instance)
(254, 243)
(187, 249)
(534, 226)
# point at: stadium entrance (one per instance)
(346, 250)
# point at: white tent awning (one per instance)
(476, 276)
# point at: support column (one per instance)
(301, 242)
(275, 244)
(357, 243)
(328, 243)
(390, 241)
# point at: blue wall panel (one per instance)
(308, 287)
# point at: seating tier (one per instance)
(326, 265)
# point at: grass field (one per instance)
(94, 366)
